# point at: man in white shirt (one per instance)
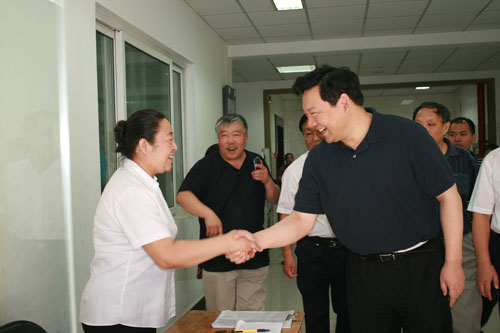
(321, 257)
(485, 205)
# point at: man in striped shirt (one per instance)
(435, 117)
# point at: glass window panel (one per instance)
(106, 99)
(177, 99)
(148, 87)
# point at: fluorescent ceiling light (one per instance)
(406, 101)
(422, 88)
(288, 4)
(295, 69)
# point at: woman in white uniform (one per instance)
(131, 286)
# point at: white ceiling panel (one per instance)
(292, 59)
(452, 22)
(329, 3)
(228, 21)
(241, 41)
(337, 26)
(372, 92)
(468, 58)
(283, 30)
(396, 9)
(489, 17)
(406, 23)
(334, 13)
(275, 17)
(337, 34)
(341, 60)
(237, 33)
(491, 63)
(495, 5)
(288, 38)
(424, 60)
(456, 6)
(257, 5)
(214, 7)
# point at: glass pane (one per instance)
(177, 99)
(148, 87)
(33, 253)
(106, 98)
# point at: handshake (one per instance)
(242, 246)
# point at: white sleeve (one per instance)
(141, 218)
(289, 187)
(483, 199)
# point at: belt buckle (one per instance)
(334, 243)
(387, 257)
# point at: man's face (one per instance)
(328, 119)
(460, 135)
(433, 123)
(312, 136)
(232, 141)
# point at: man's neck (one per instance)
(358, 127)
(237, 163)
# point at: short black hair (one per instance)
(302, 121)
(463, 120)
(141, 124)
(441, 110)
(230, 118)
(332, 82)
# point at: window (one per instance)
(149, 81)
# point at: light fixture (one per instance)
(406, 101)
(295, 69)
(288, 4)
(422, 88)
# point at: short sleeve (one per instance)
(194, 179)
(308, 198)
(289, 187)
(141, 217)
(483, 196)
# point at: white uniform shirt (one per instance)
(485, 198)
(289, 187)
(126, 286)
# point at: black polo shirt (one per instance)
(236, 198)
(380, 197)
(464, 167)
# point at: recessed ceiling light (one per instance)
(422, 88)
(406, 101)
(288, 4)
(295, 69)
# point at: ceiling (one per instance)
(372, 37)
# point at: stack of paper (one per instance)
(271, 327)
(229, 319)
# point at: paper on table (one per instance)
(272, 327)
(228, 319)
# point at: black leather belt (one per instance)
(389, 257)
(328, 242)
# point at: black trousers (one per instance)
(400, 292)
(117, 329)
(321, 275)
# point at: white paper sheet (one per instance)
(229, 319)
(272, 327)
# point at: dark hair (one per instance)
(288, 154)
(302, 121)
(490, 146)
(463, 120)
(230, 118)
(332, 82)
(441, 110)
(212, 148)
(141, 124)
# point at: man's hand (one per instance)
(452, 281)
(213, 225)
(290, 267)
(242, 246)
(486, 274)
(261, 174)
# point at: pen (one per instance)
(253, 330)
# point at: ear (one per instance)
(474, 137)
(344, 101)
(446, 127)
(144, 147)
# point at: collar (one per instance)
(452, 150)
(142, 175)
(219, 161)
(376, 132)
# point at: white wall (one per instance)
(37, 280)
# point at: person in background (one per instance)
(485, 205)
(227, 191)
(321, 258)
(288, 160)
(435, 117)
(131, 286)
(462, 133)
(376, 177)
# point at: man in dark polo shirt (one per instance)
(227, 191)
(377, 177)
(435, 117)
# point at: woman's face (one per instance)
(161, 157)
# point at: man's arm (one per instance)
(193, 205)
(272, 189)
(486, 273)
(289, 264)
(287, 231)
(452, 274)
